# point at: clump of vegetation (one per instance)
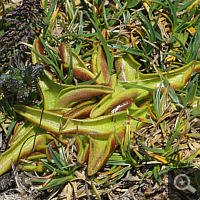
(18, 85)
(19, 24)
(18, 75)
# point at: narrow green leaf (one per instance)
(40, 180)
(149, 173)
(133, 51)
(184, 23)
(190, 84)
(120, 173)
(158, 108)
(55, 157)
(105, 17)
(69, 9)
(116, 137)
(166, 169)
(51, 10)
(177, 56)
(10, 128)
(191, 93)
(80, 34)
(154, 150)
(90, 81)
(185, 5)
(45, 6)
(130, 157)
(156, 173)
(53, 58)
(63, 156)
(139, 155)
(57, 181)
(173, 11)
(182, 45)
(50, 167)
(132, 85)
(194, 46)
(118, 162)
(172, 93)
(73, 20)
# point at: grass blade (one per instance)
(57, 181)
(90, 81)
(10, 128)
(51, 11)
(55, 158)
(133, 51)
(172, 93)
(132, 85)
(173, 11)
(177, 56)
(153, 150)
(157, 103)
(80, 34)
(184, 6)
(191, 93)
(184, 24)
